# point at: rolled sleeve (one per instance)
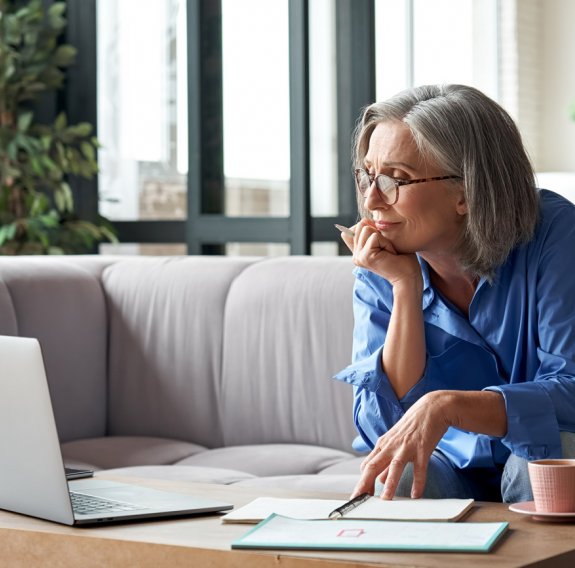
(532, 428)
(368, 374)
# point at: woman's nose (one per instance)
(373, 199)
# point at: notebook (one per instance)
(283, 533)
(373, 508)
(32, 476)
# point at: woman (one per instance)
(464, 301)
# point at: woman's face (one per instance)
(427, 217)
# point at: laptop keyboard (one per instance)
(89, 505)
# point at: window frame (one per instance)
(206, 229)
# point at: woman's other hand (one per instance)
(413, 439)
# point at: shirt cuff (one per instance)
(532, 427)
(369, 375)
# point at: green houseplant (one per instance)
(36, 204)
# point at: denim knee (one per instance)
(443, 481)
(568, 444)
(515, 484)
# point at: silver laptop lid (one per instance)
(32, 477)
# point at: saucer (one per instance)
(528, 508)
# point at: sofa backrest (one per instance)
(166, 322)
(60, 302)
(212, 350)
(288, 329)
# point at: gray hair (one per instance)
(469, 135)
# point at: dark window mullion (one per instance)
(205, 119)
(79, 99)
(215, 230)
(169, 232)
(355, 41)
(300, 208)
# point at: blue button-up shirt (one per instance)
(518, 340)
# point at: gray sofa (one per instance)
(209, 369)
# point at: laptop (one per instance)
(32, 476)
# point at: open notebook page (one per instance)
(373, 508)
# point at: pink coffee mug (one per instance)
(553, 485)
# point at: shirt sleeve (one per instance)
(539, 409)
(376, 407)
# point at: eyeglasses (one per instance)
(388, 186)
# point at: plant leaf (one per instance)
(64, 55)
(60, 122)
(24, 121)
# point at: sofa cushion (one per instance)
(165, 336)
(124, 451)
(346, 467)
(269, 459)
(288, 330)
(62, 305)
(190, 474)
(313, 483)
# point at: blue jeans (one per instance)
(515, 484)
(509, 484)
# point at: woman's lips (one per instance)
(385, 225)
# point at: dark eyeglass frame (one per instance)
(397, 182)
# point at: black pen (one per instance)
(349, 506)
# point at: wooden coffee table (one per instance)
(205, 541)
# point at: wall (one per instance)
(520, 67)
(556, 144)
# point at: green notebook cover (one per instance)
(284, 533)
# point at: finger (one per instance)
(419, 479)
(349, 241)
(385, 244)
(375, 241)
(367, 222)
(367, 248)
(363, 486)
(382, 478)
(372, 455)
(394, 473)
(362, 235)
(370, 472)
(359, 489)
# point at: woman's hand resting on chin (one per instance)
(376, 253)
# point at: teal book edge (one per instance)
(284, 533)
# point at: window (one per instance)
(441, 41)
(255, 52)
(257, 159)
(142, 109)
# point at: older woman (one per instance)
(464, 341)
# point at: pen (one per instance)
(345, 230)
(349, 506)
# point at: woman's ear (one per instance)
(461, 205)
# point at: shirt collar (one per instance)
(428, 293)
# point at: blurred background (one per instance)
(226, 124)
